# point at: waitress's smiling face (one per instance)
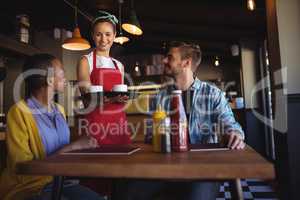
(103, 36)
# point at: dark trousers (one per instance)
(149, 190)
(70, 192)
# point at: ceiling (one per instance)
(214, 24)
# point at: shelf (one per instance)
(154, 79)
(17, 47)
(150, 76)
(145, 87)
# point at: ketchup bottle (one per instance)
(179, 123)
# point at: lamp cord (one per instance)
(87, 16)
(120, 16)
(76, 20)
(131, 3)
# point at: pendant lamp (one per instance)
(121, 39)
(132, 26)
(217, 61)
(76, 42)
(251, 5)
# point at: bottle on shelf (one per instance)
(23, 29)
(137, 70)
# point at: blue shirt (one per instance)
(52, 126)
(210, 113)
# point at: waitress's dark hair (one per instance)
(105, 17)
(38, 67)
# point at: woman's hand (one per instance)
(85, 142)
(116, 99)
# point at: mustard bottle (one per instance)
(159, 117)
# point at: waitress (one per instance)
(108, 124)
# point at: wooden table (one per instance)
(145, 164)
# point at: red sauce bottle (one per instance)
(179, 123)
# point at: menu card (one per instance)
(105, 150)
(208, 147)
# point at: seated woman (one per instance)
(36, 129)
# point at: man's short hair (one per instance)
(188, 50)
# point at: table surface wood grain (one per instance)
(214, 165)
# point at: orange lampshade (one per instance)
(76, 42)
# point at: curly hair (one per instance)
(35, 81)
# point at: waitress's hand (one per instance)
(116, 99)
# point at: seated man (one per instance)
(210, 119)
(210, 115)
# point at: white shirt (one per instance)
(103, 62)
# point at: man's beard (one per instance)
(168, 72)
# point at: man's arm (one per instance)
(231, 129)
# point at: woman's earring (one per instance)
(50, 81)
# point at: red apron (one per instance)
(108, 124)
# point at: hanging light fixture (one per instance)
(251, 5)
(132, 26)
(217, 61)
(76, 42)
(121, 39)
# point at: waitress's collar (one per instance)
(95, 52)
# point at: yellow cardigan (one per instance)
(23, 143)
